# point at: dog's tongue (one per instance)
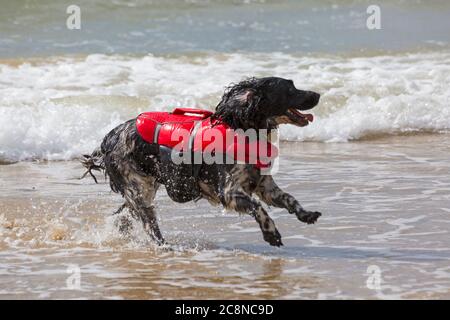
(307, 116)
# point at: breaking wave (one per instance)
(57, 108)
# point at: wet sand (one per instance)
(385, 204)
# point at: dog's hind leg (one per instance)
(270, 193)
(236, 198)
(139, 193)
(151, 226)
(128, 164)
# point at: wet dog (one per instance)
(136, 168)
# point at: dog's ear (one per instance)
(253, 99)
(239, 105)
(247, 96)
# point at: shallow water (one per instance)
(385, 203)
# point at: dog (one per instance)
(136, 168)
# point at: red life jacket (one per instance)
(193, 130)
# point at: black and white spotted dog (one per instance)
(136, 169)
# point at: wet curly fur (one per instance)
(136, 169)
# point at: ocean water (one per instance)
(374, 161)
(61, 90)
(61, 108)
(38, 28)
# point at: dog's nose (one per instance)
(316, 97)
(312, 99)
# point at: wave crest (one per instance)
(61, 107)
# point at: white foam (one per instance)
(61, 107)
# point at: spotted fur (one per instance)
(136, 170)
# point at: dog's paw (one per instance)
(308, 217)
(166, 247)
(273, 238)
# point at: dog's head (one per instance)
(265, 103)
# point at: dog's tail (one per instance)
(94, 161)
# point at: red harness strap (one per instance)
(192, 129)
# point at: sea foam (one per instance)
(58, 108)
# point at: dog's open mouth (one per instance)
(300, 119)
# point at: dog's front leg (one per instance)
(239, 201)
(270, 193)
(236, 195)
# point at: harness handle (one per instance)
(204, 113)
